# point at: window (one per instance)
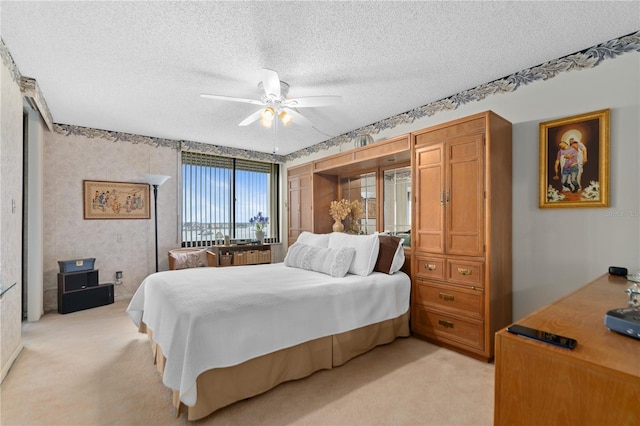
(221, 194)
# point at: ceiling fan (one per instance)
(274, 101)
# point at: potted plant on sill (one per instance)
(260, 222)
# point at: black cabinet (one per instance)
(80, 290)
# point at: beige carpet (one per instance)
(93, 368)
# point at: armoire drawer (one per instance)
(460, 300)
(430, 268)
(444, 327)
(465, 272)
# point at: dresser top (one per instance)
(580, 315)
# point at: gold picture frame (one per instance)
(116, 200)
(574, 161)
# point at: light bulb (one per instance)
(266, 123)
(285, 117)
(268, 113)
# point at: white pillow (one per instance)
(311, 239)
(367, 248)
(398, 259)
(334, 262)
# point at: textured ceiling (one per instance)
(139, 67)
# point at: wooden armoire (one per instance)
(461, 233)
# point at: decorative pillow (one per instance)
(311, 239)
(398, 258)
(190, 259)
(389, 247)
(366, 246)
(334, 262)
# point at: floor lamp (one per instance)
(156, 181)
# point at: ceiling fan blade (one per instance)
(312, 101)
(270, 82)
(250, 119)
(232, 99)
(298, 118)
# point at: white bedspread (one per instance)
(206, 318)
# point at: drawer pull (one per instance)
(445, 324)
(464, 271)
(430, 266)
(447, 297)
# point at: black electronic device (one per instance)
(77, 280)
(543, 336)
(624, 320)
(90, 297)
(618, 270)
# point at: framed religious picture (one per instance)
(116, 200)
(574, 161)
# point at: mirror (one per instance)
(397, 202)
(361, 187)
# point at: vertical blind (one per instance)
(220, 195)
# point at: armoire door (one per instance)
(464, 196)
(429, 203)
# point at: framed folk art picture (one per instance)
(574, 161)
(116, 200)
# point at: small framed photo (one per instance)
(574, 161)
(116, 200)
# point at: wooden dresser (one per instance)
(461, 233)
(597, 383)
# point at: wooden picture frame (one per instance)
(116, 200)
(566, 180)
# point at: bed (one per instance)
(223, 334)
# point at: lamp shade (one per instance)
(155, 179)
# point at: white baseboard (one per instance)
(12, 358)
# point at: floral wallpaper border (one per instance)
(7, 60)
(28, 86)
(588, 58)
(30, 89)
(182, 145)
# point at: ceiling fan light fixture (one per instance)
(274, 103)
(285, 117)
(266, 123)
(268, 114)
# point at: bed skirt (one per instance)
(220, 387)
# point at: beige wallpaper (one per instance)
(125, 245)
(10, 218)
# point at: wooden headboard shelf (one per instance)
(390, 151)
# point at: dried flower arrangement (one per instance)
(343, 209)
(357, 209)
(340, 209)
(357, 212)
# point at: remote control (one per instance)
(543, 336)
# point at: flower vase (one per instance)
(338, 226)
(260, 236)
